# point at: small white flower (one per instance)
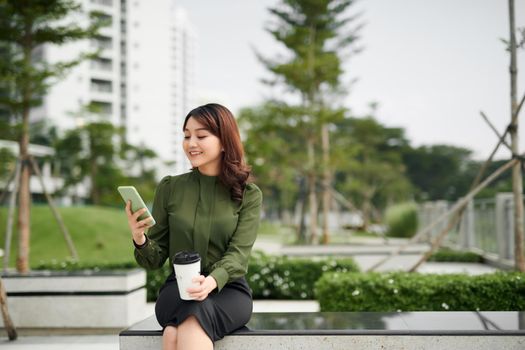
(324, 268)
(287, 273)
(355, 293)
(445, 306)
(395, 291)
(390, 281)
(518, 277)
(399, 310)
(303, 295)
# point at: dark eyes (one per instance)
(199, 137)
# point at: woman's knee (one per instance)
(190, 321)
(170, 333)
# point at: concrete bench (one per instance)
(358, 330)
(83, 299)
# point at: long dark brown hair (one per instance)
(218, 119)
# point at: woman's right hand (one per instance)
(137, 227)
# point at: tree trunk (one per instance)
(366, 214)
(93, 170)
(326, 182)
(517, 181)
(24, 214)
(312, 193)
(367, 208)
(22, 262)
(301, 236)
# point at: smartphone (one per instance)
(130, 193)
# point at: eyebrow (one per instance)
(206, 129)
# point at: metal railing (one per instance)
(486, 227)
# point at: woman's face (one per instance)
(202, 148)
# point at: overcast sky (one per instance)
(431, 65)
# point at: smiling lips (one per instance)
(193, 154)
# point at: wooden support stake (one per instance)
(8, 323)
(11, 214)
(56, 214)
(459, 204)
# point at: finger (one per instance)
(128, 208)
(194, 290)
(198, 296)
(139, 212)
(198, 279)
(145, 222)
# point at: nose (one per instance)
(191, 142)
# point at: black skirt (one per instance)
(219, 314)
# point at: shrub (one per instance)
(270, 277)
(449, 255)
(278, 277)
(402, 291)
(401, 220)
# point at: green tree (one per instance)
(315, 34)
(371, 169)
(25, 26)
(439, 171)
(275, 151)
(89, 152)
(144, 177)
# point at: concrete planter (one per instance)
(83, 299)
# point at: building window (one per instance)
(102, 108)
(103, 64)
(102, 42)
(108, 19)
(99, 85)
(103, 2)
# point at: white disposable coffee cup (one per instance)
(187, 265)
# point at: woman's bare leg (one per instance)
(191, 336)
(169, 338)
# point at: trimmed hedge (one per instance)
(449, 255)
(278, 277)
(269, 276)
(402, 291)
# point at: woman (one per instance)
(214, 211)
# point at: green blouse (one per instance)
(194, 212)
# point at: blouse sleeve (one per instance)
(234, 262)
(154, 252)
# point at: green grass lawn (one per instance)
(100, 235)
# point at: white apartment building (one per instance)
(160, 82)
(142, 81)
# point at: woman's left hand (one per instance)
(206, 285)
